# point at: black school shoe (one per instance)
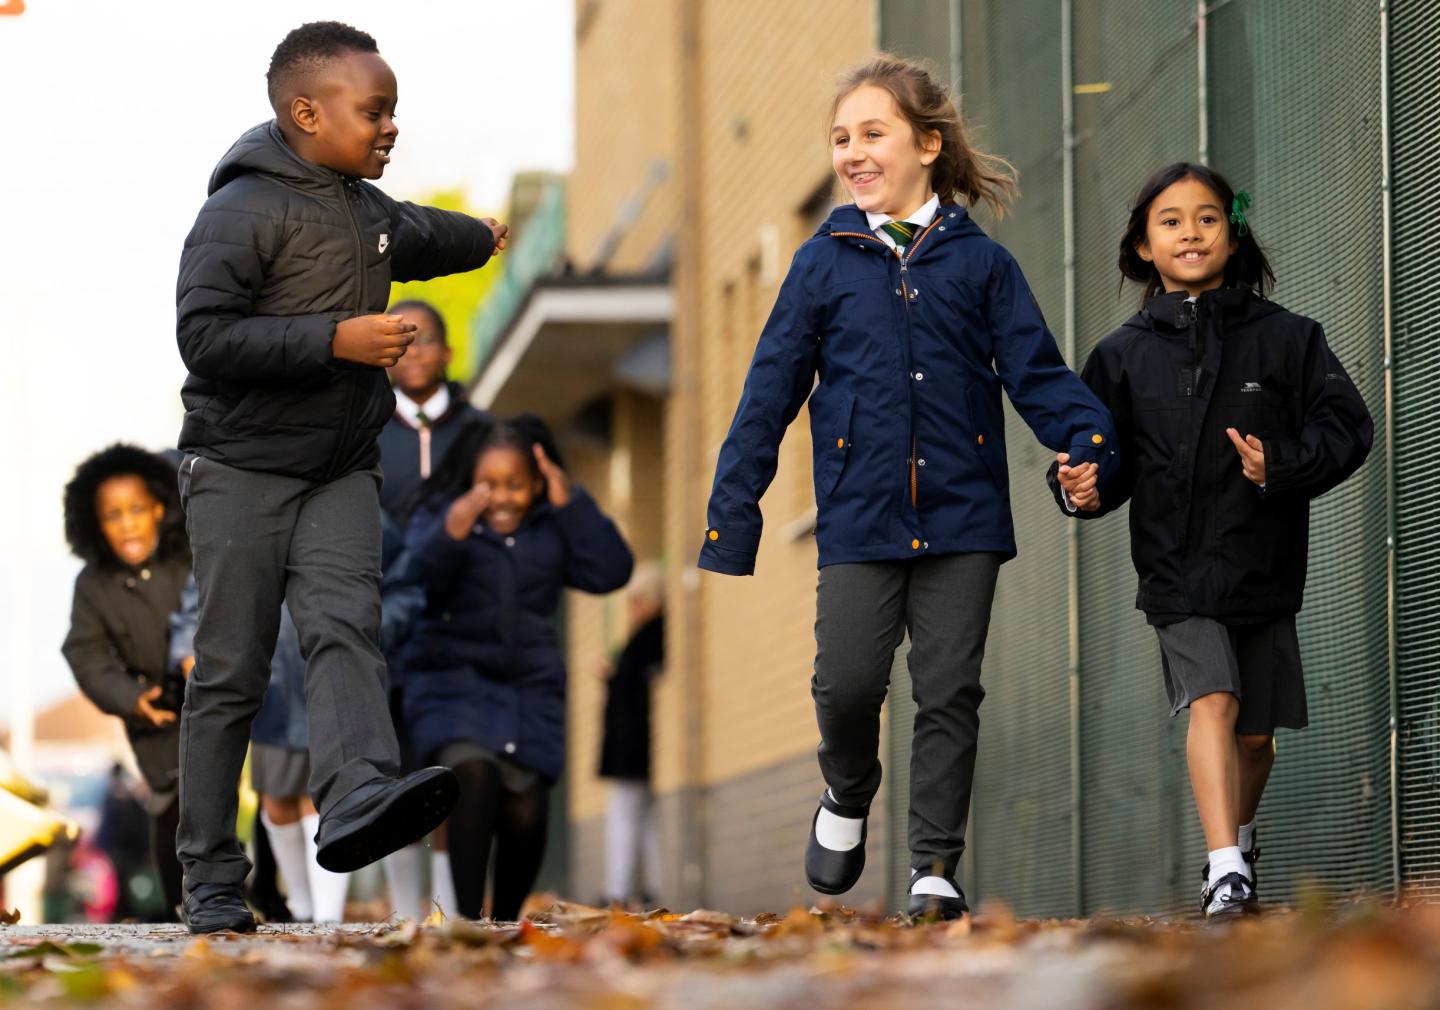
(1251, 857)
(384, 816)
(212, 908)
(830, 871)
(934, 907)
(1229, 908)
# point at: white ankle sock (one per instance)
(287, 842)
(442, 884)
(836, 833)
(1222, 862)
(938, 886)
(327, 889)
(402, 880)
(1247, 836)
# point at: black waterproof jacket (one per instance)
(1205, 540)
(282, 251)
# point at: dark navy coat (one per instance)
(485, 663)
(910, 354)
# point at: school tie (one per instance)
(901, 231)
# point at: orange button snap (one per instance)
(979, 439)
(839, 443)
(714, 534)
(914, 545)
(1097, 438)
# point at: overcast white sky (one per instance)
(115, 114)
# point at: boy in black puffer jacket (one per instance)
(281, 282)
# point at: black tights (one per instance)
(515, 821)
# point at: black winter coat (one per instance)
(282, 251)
(625, 748)
(1205, 540)
(485, 662)
(119, 647)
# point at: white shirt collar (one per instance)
(921, 217)
(435, 407)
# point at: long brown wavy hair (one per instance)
(961, 174)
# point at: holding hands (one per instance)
(155, 716)
(372, 340)
(1252, 455)
(1078, 482)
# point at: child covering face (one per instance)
(500, 533)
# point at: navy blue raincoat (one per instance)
(484, 662)
(910, 354)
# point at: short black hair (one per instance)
(307, 48)
(420, 305)
(1247, 267)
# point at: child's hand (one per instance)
(1252, 455)
(1079, 482)
(555, 479)
(500, 231)
(155, 716)
(466, 511)
(372, 340)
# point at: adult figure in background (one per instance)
(632, 845)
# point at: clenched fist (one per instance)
(373, 340)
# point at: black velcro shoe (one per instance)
(213, 908)
(935, 907)
(1236, 903)
(384, 816)
(835, 871)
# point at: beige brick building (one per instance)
(700, 165)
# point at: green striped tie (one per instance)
(901, 231)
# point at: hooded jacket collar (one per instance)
(1172, 310)
(951, 221)
(262, 149)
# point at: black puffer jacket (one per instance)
(1205, 540)
(281, 252)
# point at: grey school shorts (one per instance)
(1259, 664)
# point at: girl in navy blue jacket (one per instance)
(500, 533)
(912, 320)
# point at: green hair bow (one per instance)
(1238, 207)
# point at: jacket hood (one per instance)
(850, 218)
(1170, 311)
(82, 525)
(262, 149)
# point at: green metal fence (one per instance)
(1082, 798)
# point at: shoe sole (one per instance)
(233, 924)
(408, 817)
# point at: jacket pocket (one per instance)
(988, 436)
(831, 433)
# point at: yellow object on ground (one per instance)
(27, 830)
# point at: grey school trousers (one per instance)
(862, 613)
(259, 539)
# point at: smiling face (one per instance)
(514, 486)
(1187, 237)
(129, 517)
(878, 156)
(346, 121)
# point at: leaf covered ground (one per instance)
(574, 956)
